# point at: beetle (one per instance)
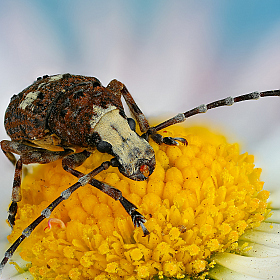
(67, 117)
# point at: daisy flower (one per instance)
(206, 210)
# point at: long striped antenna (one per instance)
(205, 107)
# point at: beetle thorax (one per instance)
(128, 147)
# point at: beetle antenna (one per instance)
(47, 211)
(205, 107)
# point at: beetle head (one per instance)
(115, 135)
(140, 167)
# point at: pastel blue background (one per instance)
(172, 55)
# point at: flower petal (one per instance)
(275, 217)
(267, 237)
(222, 273)
(263, 268)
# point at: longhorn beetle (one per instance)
(69, 116)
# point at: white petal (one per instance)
(10, 272)
(264, 238)
(260, 251)
(23, 276)
(269, 227)
(262, 268)
(275, 218)
(274, 198)
(222, 273)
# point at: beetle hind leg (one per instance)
(28, 155)
(49, 209)
(16, 190)
(16, 193)
(10, 157)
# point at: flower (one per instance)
(201, 204)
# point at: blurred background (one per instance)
(172, 56)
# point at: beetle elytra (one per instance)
(69, 116)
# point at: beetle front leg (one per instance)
(130, 208)
(74, 160)
(159, 139)
(119, 89)
(171, 141)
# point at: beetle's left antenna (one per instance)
(205, 107)
(47, 211)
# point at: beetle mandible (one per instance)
(67, 117)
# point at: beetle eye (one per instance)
(104, 147)
(131, 123)
(144, 169)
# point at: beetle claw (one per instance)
(182, 140)
(145, 231)
(138, 221)
(173, 141)
(12, 214)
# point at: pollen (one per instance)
(199, 200)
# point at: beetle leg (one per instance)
(159, 139)
(28, 155)
(47, 211)
(130, 208)
(120, 89)
(16, 193)
(72, 161)
(135, 110)
(31, 154)
(10, 157)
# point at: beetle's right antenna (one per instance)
(204, 107)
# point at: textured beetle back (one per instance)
(27, 115)
(79, 110)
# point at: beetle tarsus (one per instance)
(145, 231)
(128, 206)
(182, 140)
(159, 139)
(169, 141)
(138, 220)
(12, 214)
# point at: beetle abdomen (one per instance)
(27, 115)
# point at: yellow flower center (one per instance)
(199, 200)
